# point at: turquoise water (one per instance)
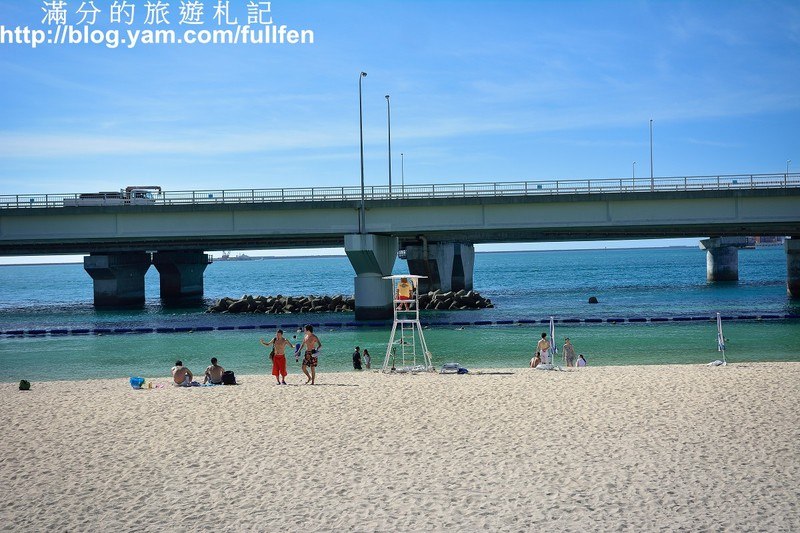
(523, 286)
(46, 358)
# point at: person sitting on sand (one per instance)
(181, 375)
(536, 361)
(214, 373)
(581, 360)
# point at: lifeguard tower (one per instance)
(407, 343)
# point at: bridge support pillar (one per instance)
(372, 257)
(463, 266)
(118, 278)
(792, 247)
(447, 265)
(722, 258)
(181, 276)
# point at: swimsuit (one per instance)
(279, 365)
(309, 359)
(569, 354)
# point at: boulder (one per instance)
(238, 306)
(593, 300)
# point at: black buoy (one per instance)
(593, 299)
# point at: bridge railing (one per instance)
(443, 190)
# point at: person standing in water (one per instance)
(569, 353)
(543, 347)
(367, 359)
(357, 359)
(312, 347)
(279, 344)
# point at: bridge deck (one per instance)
(472, 213)
(447, 190)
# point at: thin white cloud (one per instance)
(532, 120)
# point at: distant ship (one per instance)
(767, 242)
(226, 256)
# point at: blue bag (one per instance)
(137, 383)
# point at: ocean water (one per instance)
(650, 283)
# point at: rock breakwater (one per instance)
(340, 303)
(462, 299)
(284, 304)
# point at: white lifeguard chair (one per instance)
(409, 348)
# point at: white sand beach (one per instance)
(604, 448)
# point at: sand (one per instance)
(603, 448)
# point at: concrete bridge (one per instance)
(435, 225)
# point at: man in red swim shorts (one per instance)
(279, 343)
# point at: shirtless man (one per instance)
(543, 347)
(214, 373)
(279, 342)
(181, 375)
(312, 346)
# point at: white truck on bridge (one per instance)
(133, 195)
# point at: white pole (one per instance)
(652, 183)
(720, 338)
(362, 217)
(402, 174)
(389, 130)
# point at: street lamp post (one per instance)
(402, 175)
(389, 128)
(652, 183)
(361, 214)
(633, 173)
(788, 161)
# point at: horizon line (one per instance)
(306, 256)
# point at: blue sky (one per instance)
(480, 91)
